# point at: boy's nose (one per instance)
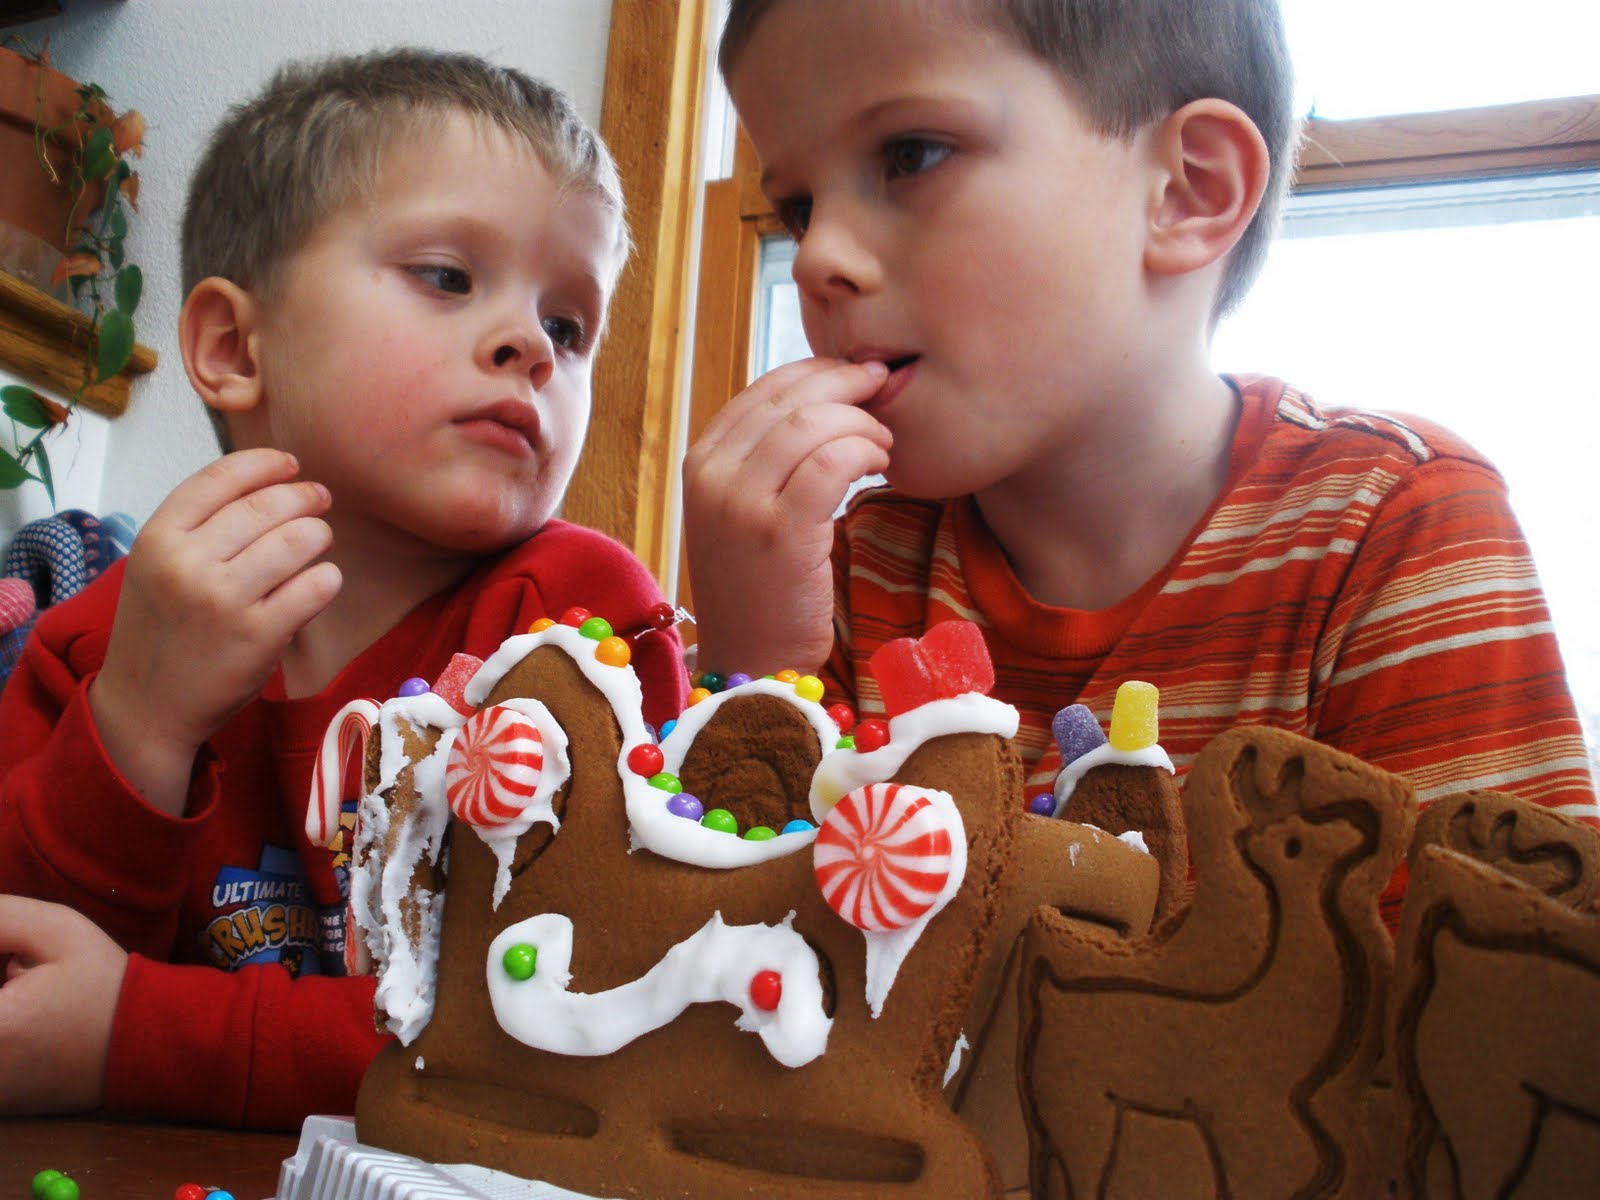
(523, 350)
(832, 262)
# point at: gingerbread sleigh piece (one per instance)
(630, 1002)
(1496, 1004)
(1229, 1052)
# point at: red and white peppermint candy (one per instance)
(493, 769)
(348, 730)
(882, 856)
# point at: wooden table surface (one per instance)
(134, 1161)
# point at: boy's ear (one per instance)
(216, 334)
(1214, 166)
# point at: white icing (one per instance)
(693, 719)
(843, 771)
(887, 950)
(1067, 780)
(1134, 838)
(714, 964)
(418, 1065)
(557, 769)
(954, 1064)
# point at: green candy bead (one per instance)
(596, 628)
(43, 1180)
(60, 1188)
(759, 833)
(720, 820)
(666, 781)
(711, 681)
(847, 742)
(520, 961)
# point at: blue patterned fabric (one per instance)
(57, 556)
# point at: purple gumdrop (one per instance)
(682, 804)
(1043, 805)
(1077, 732)
(413, 687)
(737, 679)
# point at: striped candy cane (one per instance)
(348, 729)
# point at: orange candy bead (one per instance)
(614, 652)
(541, 625)
(787, 676)
(697, 695)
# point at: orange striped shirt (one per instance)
(1360, 580)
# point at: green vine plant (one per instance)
(104, 284)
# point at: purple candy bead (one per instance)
(682, 804)
(413, 687)
(1043, 805)
(737, 679)
(1077, 732)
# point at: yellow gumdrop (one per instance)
(697, 695)
(1134, 724)
(808, 687)
(540, 625)
(787, 675)
(614, 652)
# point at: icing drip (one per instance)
(714, 964)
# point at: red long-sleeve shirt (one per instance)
(234, 883)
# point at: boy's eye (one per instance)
(913, 155)
(453, 280)
(563, 332)
(795, 213)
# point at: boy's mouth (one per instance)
(894, 364)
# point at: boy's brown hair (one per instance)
(1131, 63)
(315, 136)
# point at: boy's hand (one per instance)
(760, 489)
(56, 1007)
(218, 582)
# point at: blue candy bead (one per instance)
(1043, 805)
(682, 804)
(737, 679)
(666, 728)
(411, 687)
(798, 826)
(1076, 732)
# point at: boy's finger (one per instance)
(243, 523)
(818, 484)
(32, 929)
(219, 483)
(276, 556)
(301, 597)
(746, 421)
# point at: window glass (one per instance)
(1359, 58)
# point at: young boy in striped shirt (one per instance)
(1018, 223)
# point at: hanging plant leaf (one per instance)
(25, 406)
(76, 266)
(99, 155)
(116, 344)
(119, 221)
(42, 461)
(129, 287)
(13, 474)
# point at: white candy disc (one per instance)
(883, 856)
(494, 766)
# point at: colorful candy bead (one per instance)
(614, 652)
(541, 625)
(737, 679)
(520, 961)
(808, 687)
(415, 686)
(42, 1179)
(711, 681)
(798, 825)
(1134, 720)
(686, 805)
(720, 820)
(847, 742)
(189, 1191)
(666, 781)
(1077, 731)
(575, 616)
(766, 990)
(843, 716)
(62, 1187)
(872, 734)
(787, 676)
(1043, 805)
(596, 629)
(668, 726)
(493, 768)
(760, 833)
(696, 695)
(883, 856)
(662, 616)
(645, 759)
(219, 1194)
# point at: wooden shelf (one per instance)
(43, 342)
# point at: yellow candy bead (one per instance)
(614, 652)
(787, 676)
(808, 687)
(540, 625)
(697, 695)
(1134, 724)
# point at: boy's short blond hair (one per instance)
(314, 137)
(1132, 63)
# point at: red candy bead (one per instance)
(871, 735)
(766, 989)
(842, 716)
(575, 616)
(645, 759)
(662, 616)
(189, 1191)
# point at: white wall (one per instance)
(182, 63)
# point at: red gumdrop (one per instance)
(949, 660)
(645, 759)
(575, 616)
(871, 735)
(766, 989)
(842, 717)
(452, 682)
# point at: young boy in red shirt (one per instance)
(1017, 226)
(397, 269)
